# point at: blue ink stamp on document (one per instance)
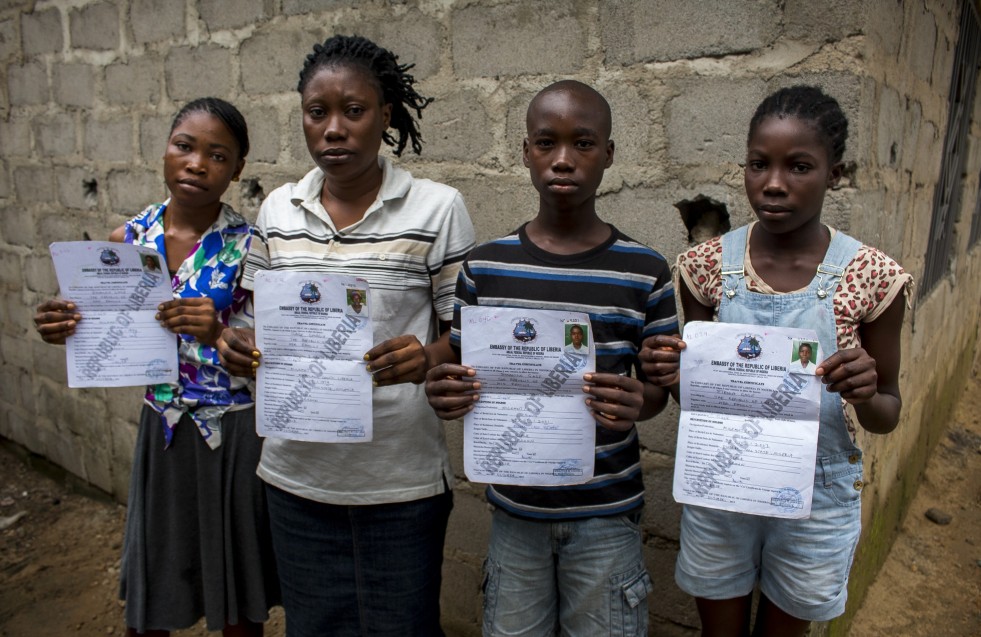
(157, 368)
(568, 467)
(787, 500)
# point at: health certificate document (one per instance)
(116, 288)
(750, 407)
(531, 425)
(313, 330)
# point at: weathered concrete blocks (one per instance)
(515, 128)
(641, 31)
(469, 528)
(825, 21)
(41, 32)
(708, 121)
(15, 137)
(58, 225)
(9, 42)
(638, 130)
(296, 143)
(74, 190)
(18, 226)
(264, 132)
(109, 138)
(154, 133)
(73, 84)
(456, 127)
(271, 59)
(27, 84)
(231, 14)
(662, 515)
(299, 7)
(39, 275)
(497, 204)
(136, 81)
(55, 135)
(155, 20)
(34, 184)
(95, 26)
(509, 39)
(920, 46)
(890, 128)
(49, 362)
(4, 185)
(198, 71)
(132, 190)
(415, 38)
(667, 601)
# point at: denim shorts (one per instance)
(359, 570)
(801, 565)
(581, 578)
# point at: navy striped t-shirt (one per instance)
(626, 289)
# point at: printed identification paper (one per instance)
(750, 410)
(313, 330)
(116, 288)
(531, 425)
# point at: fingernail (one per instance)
(368, 368)
(587, 377)
(156, 316)
(255, 364)
(255, 354)
(367, 358)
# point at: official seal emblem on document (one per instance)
(787, 499)
(109, 257)
(524, 330)
(310, 293)
(749, 346)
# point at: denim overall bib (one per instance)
(801, 565)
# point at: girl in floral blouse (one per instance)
(789, 269)
(197, 540)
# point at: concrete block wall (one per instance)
(87, 90)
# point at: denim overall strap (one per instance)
(733, 273)
(812, 307)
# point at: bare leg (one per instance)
(244, 628)
(773, 622)
(725, 617)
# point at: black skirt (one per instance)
(197, 531)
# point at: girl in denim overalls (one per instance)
(789, 269)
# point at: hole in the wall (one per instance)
(90, 191)
(252, 191)
(704, 217)
(848, 172)
(893, 151)
(86, 236)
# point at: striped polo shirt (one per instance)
(626, 289)
(410, 247)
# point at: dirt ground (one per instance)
(59, 562)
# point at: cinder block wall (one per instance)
(87, 91)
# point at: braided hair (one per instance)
(810, 104)
(394, 85)
(225, 112)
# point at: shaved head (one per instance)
(583, 95)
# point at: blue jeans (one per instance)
(359, 570)
(581, 578)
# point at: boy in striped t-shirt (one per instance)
(570, 557)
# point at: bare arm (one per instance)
(868, 376)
